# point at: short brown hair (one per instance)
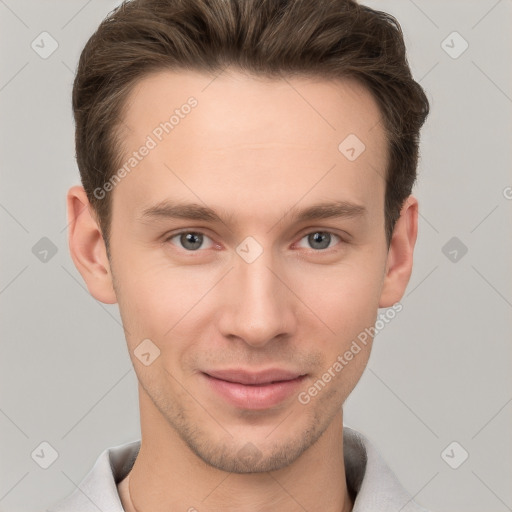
(271, 38)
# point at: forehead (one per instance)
(249, 131)
(234, 99)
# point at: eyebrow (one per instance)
(167, 209)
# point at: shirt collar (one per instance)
(375, 487)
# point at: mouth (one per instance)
(254, 390)
(261, 377)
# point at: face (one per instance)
(246, 240)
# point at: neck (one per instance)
(167, 475)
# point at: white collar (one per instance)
(377, 488)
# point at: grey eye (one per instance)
(320, 240)
(191, 240)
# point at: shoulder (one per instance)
(98, 489)
(376, 487)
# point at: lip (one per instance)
(252, 378)
(254, 390)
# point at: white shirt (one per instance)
(376, 487)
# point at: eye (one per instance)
(190, 240)
(320, 240)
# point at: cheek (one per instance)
(164, 304)
(145, 303)
(345, 297)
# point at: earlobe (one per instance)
(400, 254)
(87, 247)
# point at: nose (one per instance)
(257, 307)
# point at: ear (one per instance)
(400, 254)
(87, 247)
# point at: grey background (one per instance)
(439, 372)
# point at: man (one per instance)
(247, 168)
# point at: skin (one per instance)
(255, 149)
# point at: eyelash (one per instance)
(327, 249)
